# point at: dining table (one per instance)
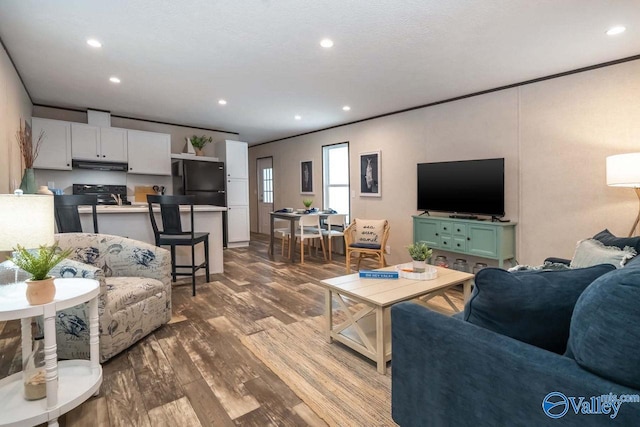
(292, 217)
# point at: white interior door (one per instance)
(265, 193)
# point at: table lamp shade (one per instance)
(623, 170)
(26, 220)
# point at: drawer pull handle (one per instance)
(458, 244)
(458, 230)
(468, 238)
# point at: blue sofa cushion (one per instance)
(531, 306)
(606, 237)
(605, 331)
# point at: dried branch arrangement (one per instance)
(28, 148)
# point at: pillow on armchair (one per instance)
(368, 233)
(531, 306)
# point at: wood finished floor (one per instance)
(195, 371)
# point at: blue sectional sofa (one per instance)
(537, 357)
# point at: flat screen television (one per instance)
(470, 187)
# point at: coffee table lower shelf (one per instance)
(350, 337)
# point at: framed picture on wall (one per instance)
(306, 177)
(370, 174)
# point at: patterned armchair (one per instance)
(135, 292)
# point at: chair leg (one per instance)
(324, 252)
(173, 262)
(359, 259)
(301, 251)
(206, 256)
(348, 256)
(193, 270)
(329, 238)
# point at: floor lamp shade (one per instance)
(623, 170)
(26, 220)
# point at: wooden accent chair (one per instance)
(367, 238)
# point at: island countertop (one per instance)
(133, 221)
(143, 208)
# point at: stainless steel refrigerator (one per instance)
(203, 179)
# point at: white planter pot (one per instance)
(419, 266)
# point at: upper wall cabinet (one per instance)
(55, 149)
(149, 152)
(236, 157)
(98, 143)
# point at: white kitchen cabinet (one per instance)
(149, 152)
(237, 225)
(237, 192)
(113, 144)
(55, 149)
(235, 155)
(97, 143)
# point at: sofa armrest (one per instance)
(558, 260)
(450, 372)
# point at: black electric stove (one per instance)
(105, 193)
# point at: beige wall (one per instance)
(14, 106)
(554, 136)
(178, 133)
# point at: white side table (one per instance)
(70, 382)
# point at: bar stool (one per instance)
(65, 211)
(172, 234)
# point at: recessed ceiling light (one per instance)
(326, 43)
(615, 30)
(114, 79)
(94, 43)
(346, 108)
(297, 117)
(222, 102)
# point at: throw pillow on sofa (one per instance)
(531, 306)
(604, 328)
(591, 252)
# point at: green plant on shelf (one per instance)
(307, 203)
(200, 141)
(419, 251)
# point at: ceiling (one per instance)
(176, 59)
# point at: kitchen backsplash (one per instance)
(65, 179)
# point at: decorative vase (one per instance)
(419, 266)
(40, 291)
(199, 152)
(28, 183)
(44, 190)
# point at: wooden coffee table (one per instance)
(369, 330)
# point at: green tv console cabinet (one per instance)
(484, 239)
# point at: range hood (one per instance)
(100, 166)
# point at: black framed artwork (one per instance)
(370, 174)
(306, 177)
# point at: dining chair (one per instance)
(366, 238)
(282, 229)
(336, 224)
(65, 212)
(308, 229)
(173, 235)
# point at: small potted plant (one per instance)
(307, 203)
(419, 253)
(38, 263)
(199, 142)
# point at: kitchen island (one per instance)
(133, 221)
